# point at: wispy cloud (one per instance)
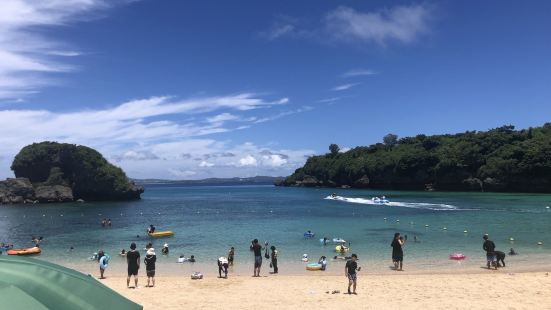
(344, 86)
(28, 58)
(402, 23)
(155, 137)
(358, 72)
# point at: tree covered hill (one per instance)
(500, 159)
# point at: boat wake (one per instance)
(386, 203)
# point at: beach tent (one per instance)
(27, 283)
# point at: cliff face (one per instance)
(500, 160)
(56, 172)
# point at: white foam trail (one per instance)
(414, 205)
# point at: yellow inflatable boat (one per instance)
(339, 248)
(160, 234)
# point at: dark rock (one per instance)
(362, 182)
(473, 184)
(53, 193)
(308, 181)
(16, 191)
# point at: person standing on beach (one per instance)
(133, 261)
(397, 252)
(149, 260)
(489, 246)
(274, 258)
(350, 272)
(231, 254)
(103, 261)
(257, 249)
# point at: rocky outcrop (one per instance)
(21, 190)
(60, 172)
(18, 190)
(53, 193)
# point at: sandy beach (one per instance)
(485, 290)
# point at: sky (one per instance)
(194, 89)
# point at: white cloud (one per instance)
(400, 23)
(248, 161)
(358, 72)
(156, 137)
(205, 164)
(344, 86)
(27, 56)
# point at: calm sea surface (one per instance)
(208, 220)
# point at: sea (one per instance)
(208, 220)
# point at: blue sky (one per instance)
(194, 89)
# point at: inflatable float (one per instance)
(196, 276)
(308, 234)
(341, 248)
(29, 251)
(457, 256)
(161, 234)
(313, 267)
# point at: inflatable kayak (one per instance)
(160, 234)
(313, 267)
(29, 251)
(457, 256)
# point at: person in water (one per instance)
(149, 261)
(397, 252)
(325, 239)
(512, 252)
(109, 222)
(231, 255)
(350, 272)
(164, 250)
(103, 261)
(122, 252)
(257, 251)
(151, 229)
(489, 246)
(273, 262)
(133, 262)
(192, 259)
(223, 267)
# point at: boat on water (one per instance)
(160, 234)
(27, 251)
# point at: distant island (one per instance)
(61, 172)
(501, 160)
(258, 180)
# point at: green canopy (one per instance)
(27, 283)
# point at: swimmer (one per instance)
(512, 252)
(151, 229)
(231, 255)
(325, 239)
(415, 239)
(122, 252)
(191, 259)
(164, 250)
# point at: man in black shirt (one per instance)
(257, 249)
(133, 261)
(489, 247)
(350, 272)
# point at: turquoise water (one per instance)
(208, 220)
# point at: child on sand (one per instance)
(103, 261)
(350, 272)
(273, 263)
(150, 259)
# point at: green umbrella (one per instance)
(27, 283)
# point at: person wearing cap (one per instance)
(133, 261)
(489, 246)
(223, 266)
(149, 260)
(164, 250)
